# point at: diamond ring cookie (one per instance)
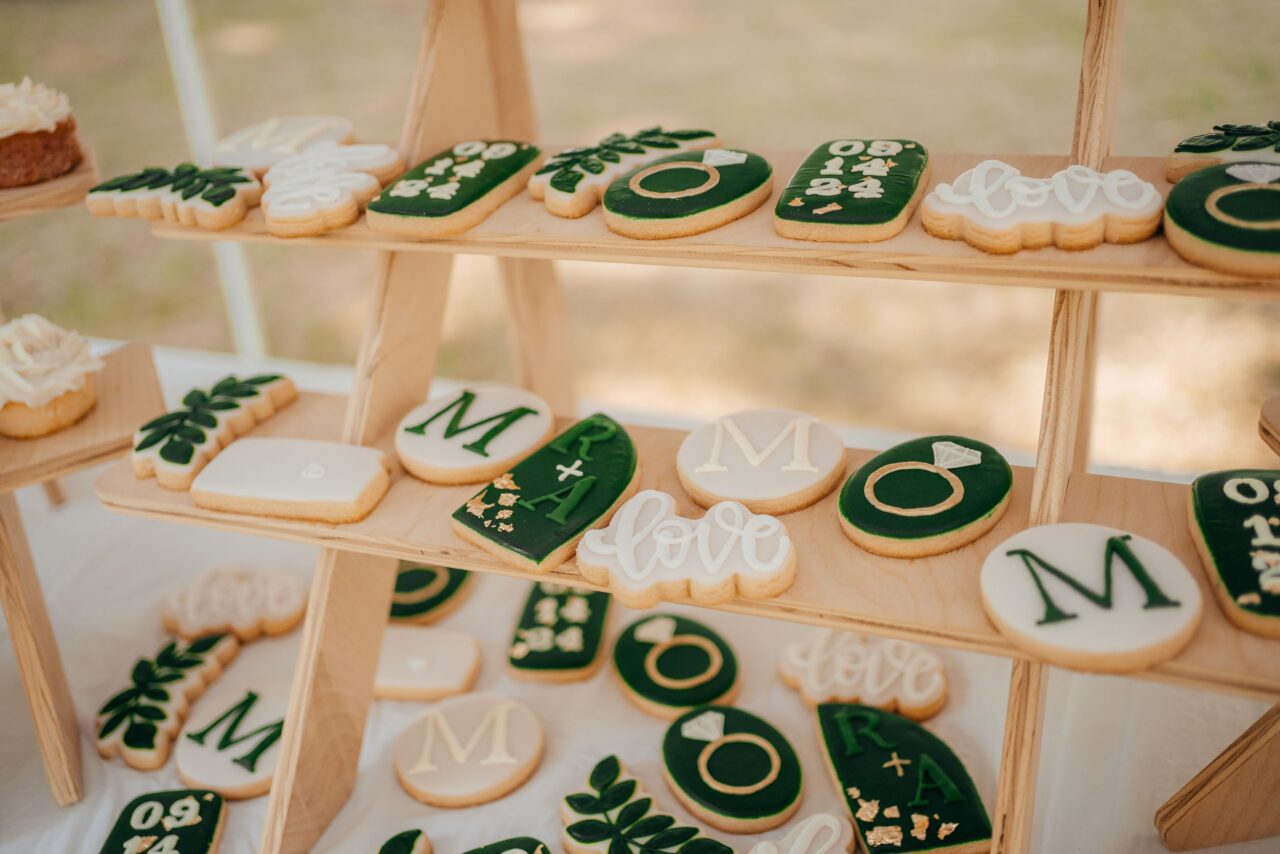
(425, 594)
(1227, 218)
(853, 191)
(668, 664)
(769, 460)
(1226, 144)
(926, 496)
(1090, 598)
(688, 193)
(37, 134)
(46, 381)
(560, 634)
(185, 820)
(731, 769)
(260, 146)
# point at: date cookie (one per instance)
(185, 820)
(668, 664)
(560, 634)
(1227, 218)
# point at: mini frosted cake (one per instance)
(45, 381)
(37, 134)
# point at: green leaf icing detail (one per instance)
(1231, 513)
(560, 629)
(906, 170)
(420, 590)
(215, 186)
(1234, 137)
(735, 181)
(742, 762)
(685, 657)
(568, 167)
(449, 182)
(404, 842)
(183, 430)
(1187, 208)
(521, 844)
(185, 820)
(615, 818)
(882, 761)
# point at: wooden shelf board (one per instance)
(1269, 423)
(523, 228)
(934, 600)
(128, 395)
(60, 192)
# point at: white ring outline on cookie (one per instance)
(956, 496)
(704, 761)
(1212, 208)
(713, 178)
(714, 666)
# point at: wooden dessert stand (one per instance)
(128, 395)
(470, 83)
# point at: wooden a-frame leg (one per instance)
(1234, 798)
(537, 328)
(39, 663)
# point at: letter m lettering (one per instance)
(457, 410)
(266, 735)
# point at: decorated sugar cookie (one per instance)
(996, 208)
(1227, 144)
(904, 787)
(454, 191)
(1227, 218)
(37, 134)
(1090, 597)
(324, 187)
(139, 723)
(572, 181)
(260, 146)
(668, 664)
(231, 743)
(294, 479)
(246, 602)
(424, 594)
(769, 460)
(560, 634)
(828, 666)
(731, 769)
(518, 845)
(853, 191)
(648, 553)
(472, 435)
(425, 663)
(185, 820)
(467, 750)
(407, 842)
(46, 377)
(211, 199)
(534, 515)
(174, 447)
(1235, 523)
(688, 193)
(822, 833)
(616, 816)
(926, 496)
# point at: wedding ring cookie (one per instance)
(668, 664)
(1227, 218)
(189, 821)
(425, 594)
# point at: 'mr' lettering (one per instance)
(495, 722)
(458, 409)
(797, 428)
(854, 722)
(582, 434)
(1117, 547)
(267, 734)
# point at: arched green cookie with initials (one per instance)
(560, 633)
(731, 769)
(534, 515)
(1235, 523)
(668, 664)
(424, 594)
(926, 496)
(1227, 217)
(904, 787)
(184, 820)
(687, 193)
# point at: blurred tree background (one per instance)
(1180, 379)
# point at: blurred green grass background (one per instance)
(1180, 379)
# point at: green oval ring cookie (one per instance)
(926, 496)
(732, 769)
(1228, 217)
(668, 664)
(425, 593)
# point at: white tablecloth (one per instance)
(1114, 749)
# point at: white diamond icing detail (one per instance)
(722, 157)
(1255, 173)
(313, 471)
(707, 726)
(949, 455)
(657, 630)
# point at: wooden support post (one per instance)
(39, 663)
(1064, 429)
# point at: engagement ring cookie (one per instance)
(853, 191)
(46, 380)
(1227, 144)
(231, 745)
(186, 820)
(245, 602)
(1227, 218)
(325, 187)
(260, 146)
(424, 594)
(560, 634)
(212, 199)
(668, 664)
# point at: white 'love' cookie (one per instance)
(294, 479)
(425, 663)
(1090, 597)
(648, 553)
(325, 187)
(840, 667)
(822, 833)
(468, 750)
(231, 744)
(996, 208)
(472, 435)
(769, 460)
(234, 599)
(260, 146)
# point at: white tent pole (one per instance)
(197, 118)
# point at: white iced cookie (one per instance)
(425, 663)
(1090, 598)
(822, 833)
(231, 743)
(234, 599)
(260, 146)
(770, 460)
(468, 750)
(45, 381)
(828, 666)
(648, 553)
(325, 186)
(294, 479)
(472, 435)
